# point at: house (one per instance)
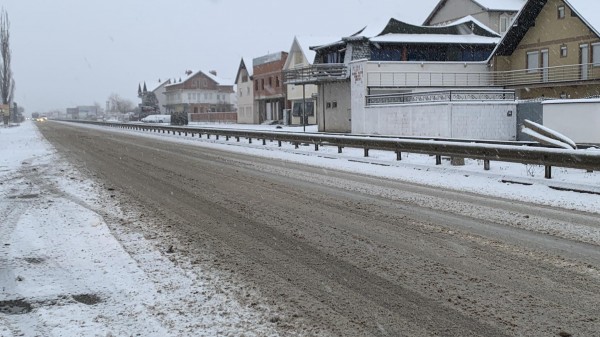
(552, 50)
(197, 92)
(247, 114)
(495, 14)
(300, 57)
(156, 89)
(400, 58)
(269, 90)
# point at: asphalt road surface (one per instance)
(352, 255)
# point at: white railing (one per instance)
(550, 75)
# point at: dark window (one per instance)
(270, 82)
(255, 85)
(277, 82)
(564, 51)
(262, 83)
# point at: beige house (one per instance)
(247, 113)
(552, 50)
(495, 14)
(301, 56)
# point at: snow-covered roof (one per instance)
(153, 85)
(470, 18)
(503, 5)
(186, 76)
(435, 38)
(588, 11)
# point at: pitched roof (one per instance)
(189, 74)
(501, 5)
(467, 30)
(585, 9)
(304, 44)
(488, 5)
(242, 66)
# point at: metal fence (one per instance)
(524, 154)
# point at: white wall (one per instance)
(334, 119)
(427, 74)
(578, 119)
(485, 120)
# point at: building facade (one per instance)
(269, 89)
(197, 92)
(552, 51)
(247, 114)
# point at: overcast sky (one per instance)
(73, 52)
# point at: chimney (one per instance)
(214, 72)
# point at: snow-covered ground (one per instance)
(68, 269)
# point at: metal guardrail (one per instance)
(441, 96)
(524, 154)
(316, 73)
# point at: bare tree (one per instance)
(120, 104)
(7, 83)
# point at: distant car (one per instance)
(157, 119)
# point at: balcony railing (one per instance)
(560, 74)
(441, 96)
(317, 73)
(537, 76)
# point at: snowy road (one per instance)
(330, 252)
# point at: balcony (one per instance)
(316, 74)
(550, 75)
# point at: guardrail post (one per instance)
(438, 160)
(217, 136)
(249, 140)
(398, 155)
(366, 152)
(186, 133)
(486, 164)
(316, 146)
(208, 136)
(296, 145)
(340, 149)
(264, 141)
(237, 139)
(548, 172)
(279, 143)
(179, 132)
(200, 135)
(227, 138)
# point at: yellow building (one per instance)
(552, 50)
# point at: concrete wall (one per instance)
(576, 119)
(496, 121)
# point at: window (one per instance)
(244, 78)
(277, 82)
(334, 104)
(596, 54)
(561, 12)
(533, 61)
(255, 85)
(504, 22)
(564, 51)
(262, 83)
